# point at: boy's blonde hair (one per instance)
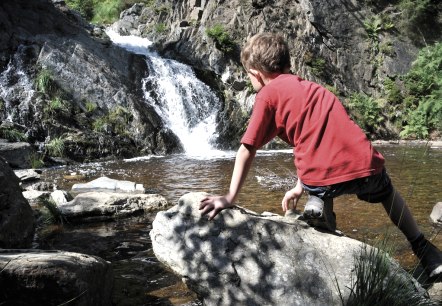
(267, 52)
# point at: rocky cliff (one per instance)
(62, 78)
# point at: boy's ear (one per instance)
(254, 72)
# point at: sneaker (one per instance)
(429, 256)
(320, 214)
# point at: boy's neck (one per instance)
(268, 77)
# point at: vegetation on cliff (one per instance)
(411, 103)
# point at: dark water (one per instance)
(141, 280)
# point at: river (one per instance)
(141, 280)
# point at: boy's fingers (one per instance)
(205, 209)
(203, 203)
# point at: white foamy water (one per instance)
(14, 80)
(187, 105)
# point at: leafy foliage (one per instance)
(423, 86)
(44, 82)
(367, 111)
(55, 147)
(90, 106)
(222, 39)
(103, 12)
(107, 11)
(116, 121)
(12, 134)
(36, 161)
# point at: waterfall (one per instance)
(187, 105)
(16, 87)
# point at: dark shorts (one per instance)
(373, 189)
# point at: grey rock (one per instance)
(34, 277)
(60, 197)
(436, 214)
(242, 258)
(28, 175)
(17, 224)
(17, 154)
(98, 206)
(110, 185)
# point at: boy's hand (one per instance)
(213, 205)
(292, 195)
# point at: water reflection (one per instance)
(415, 172)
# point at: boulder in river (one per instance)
(110, 185)
(17, 223)
(34, 277)
(99, 206)
(242, 258)
(436, 214)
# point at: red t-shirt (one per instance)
(329, 147)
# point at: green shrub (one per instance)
(415, 12)
(119, 118)
(12, 134)
(55, 147)
(44, 82)
(423, 89)
(100, 125)
(53, 106)
(317, 66)
(160, 28)
(50, 214)
(377, 282)
(221, 37)
(107, 11)
(84, 7)
(36, 161)
(367, 111)
(90, 106)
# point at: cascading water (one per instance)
(16, 86)
(187, 105)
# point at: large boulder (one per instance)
(98, 206)
(17, 224)
(34, 277)
(18, 154)
(242, 258)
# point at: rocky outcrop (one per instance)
(99, 206)
(241, 258)
(17, 223)
(34, 277)
(17, 154)
(102, 111)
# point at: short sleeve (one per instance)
(262, 127)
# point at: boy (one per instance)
(332, 154)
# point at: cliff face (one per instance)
(92, 97)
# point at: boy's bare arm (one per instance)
(292, 195)
(214, 204)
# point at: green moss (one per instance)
(222, 39)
